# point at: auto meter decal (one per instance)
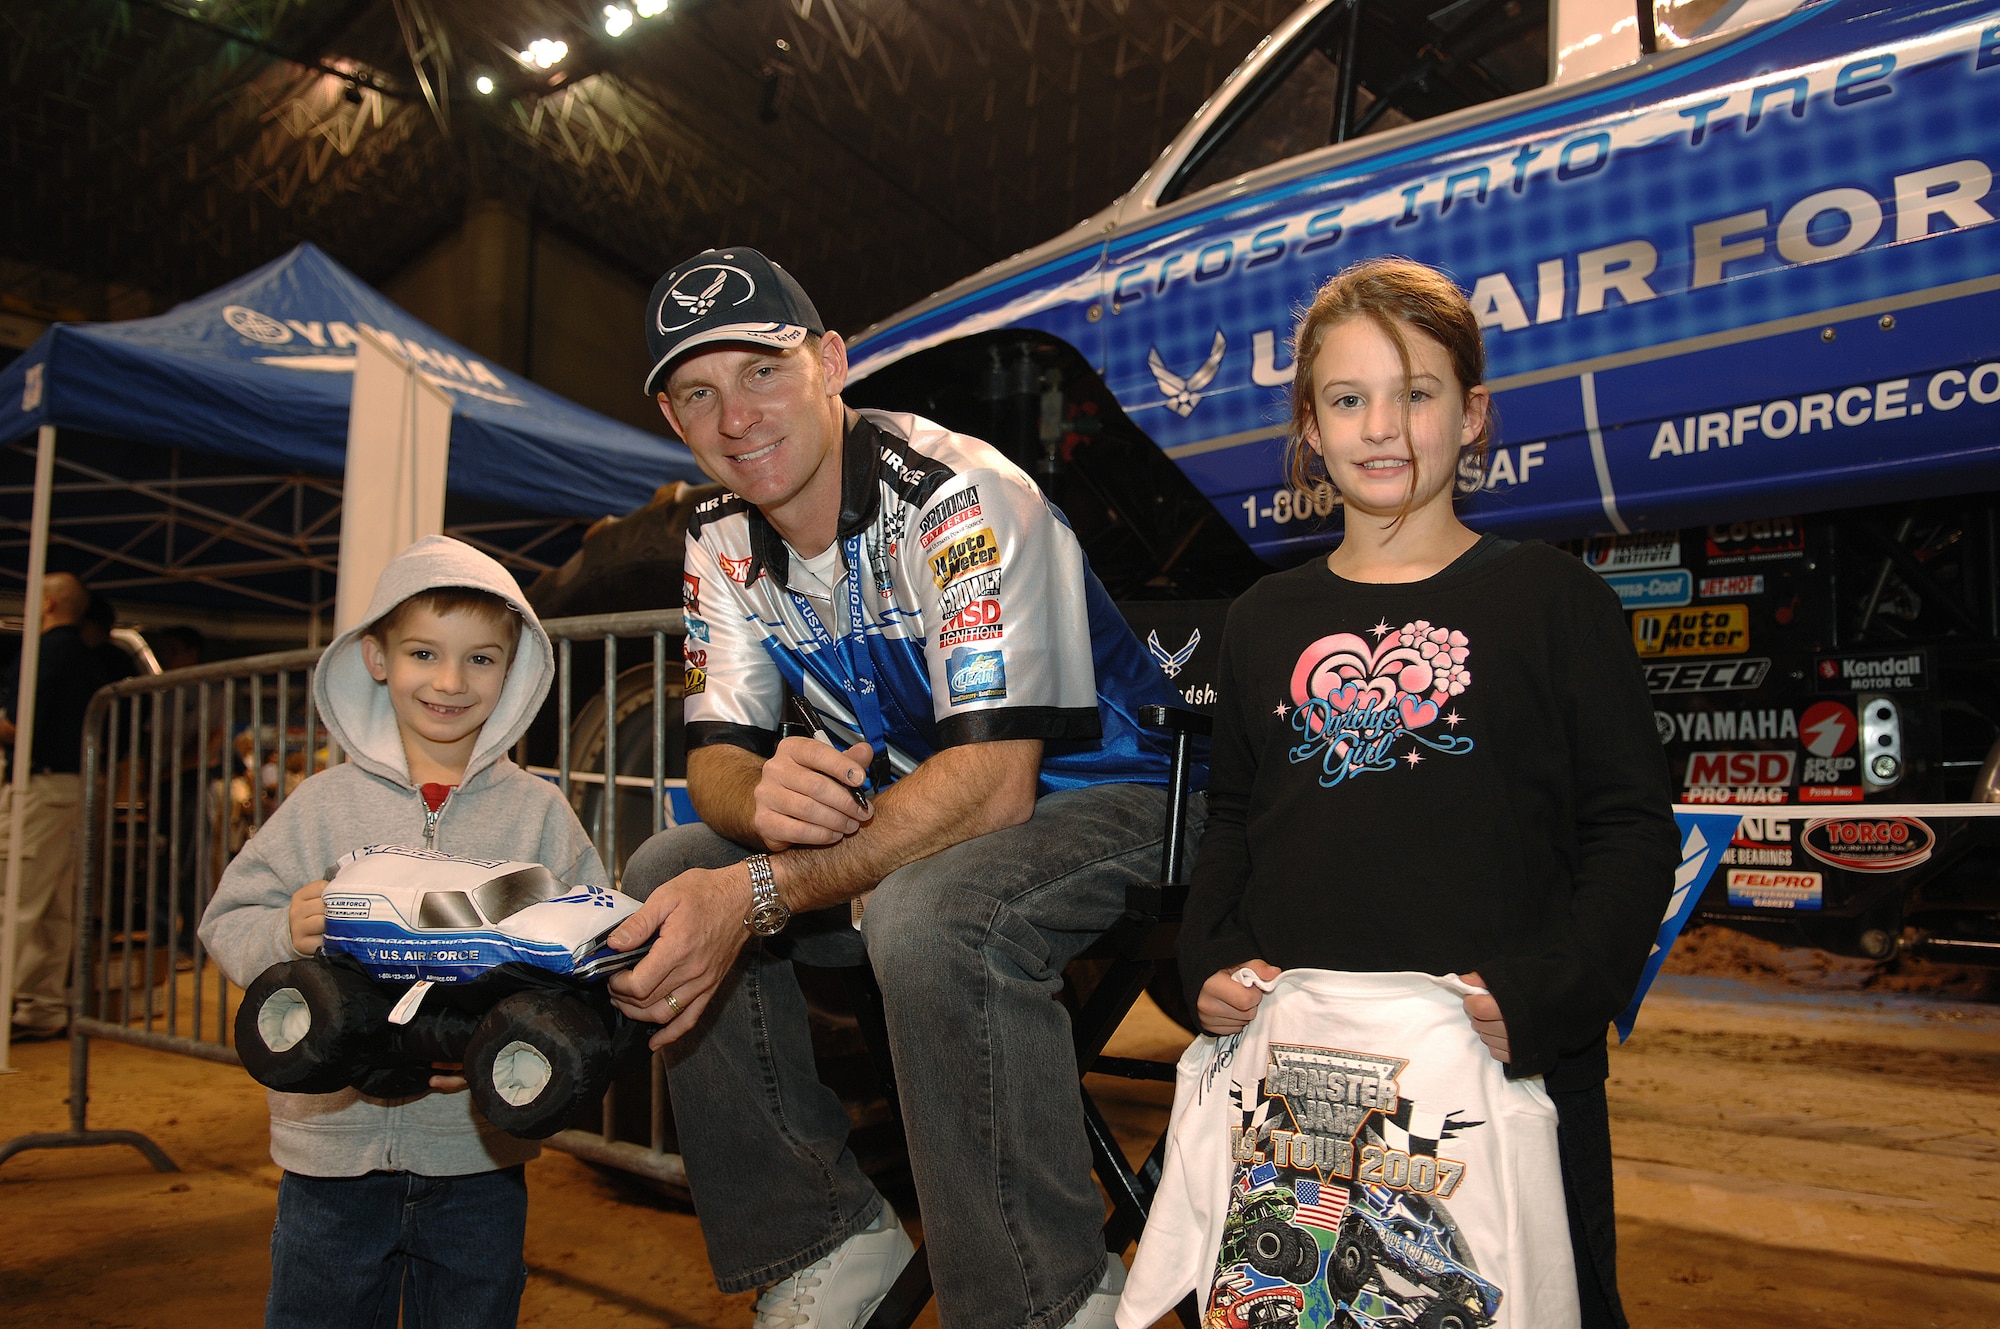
(1869, 844)
(1708, 630)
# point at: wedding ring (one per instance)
(673, 1002)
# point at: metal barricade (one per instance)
(181, 769)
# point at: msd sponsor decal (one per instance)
(1740, 768)
(1755, 542)
(1668, 589)
(1869, 844)
(1712, 630)
(1876, 671)
(1729, 588)
(950, 512)
(978, 621)
(1751, 888)
(1631, 553)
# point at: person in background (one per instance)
(113, 660)
(177, 647)
(66, 677)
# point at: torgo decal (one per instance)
(1889, 844)
(1715, 630)
(1740, 768)
(1755, 542)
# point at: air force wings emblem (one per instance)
(1184, 394)
(1172, 662)
(701, 304)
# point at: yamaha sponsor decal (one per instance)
(1713, 676)
(1869, 844)
(1762, 723)
(1875, 671)
(1753, 888)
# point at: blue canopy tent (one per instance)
(202, 450)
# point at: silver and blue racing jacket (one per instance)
(979, 618)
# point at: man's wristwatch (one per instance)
(768, 915)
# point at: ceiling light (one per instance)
(545, 54)
(485, 85)
(617, 18)
(651, 8)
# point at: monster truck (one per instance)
(433, 958)
(1412, 1239)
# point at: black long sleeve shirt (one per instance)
(1449, 775)
(69, 675)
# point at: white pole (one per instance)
(24, 720)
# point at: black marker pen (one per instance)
(807, 718)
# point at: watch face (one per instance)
(768, 919)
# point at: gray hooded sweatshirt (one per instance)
(498, 811)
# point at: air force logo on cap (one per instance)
(726, 295)
(698, 290)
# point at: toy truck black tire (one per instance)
(1352, 1264)
(304, 1025)
(535, 1058)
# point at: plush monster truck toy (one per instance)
(431, 958)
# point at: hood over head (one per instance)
(356, 708)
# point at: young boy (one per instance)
(418, 1199)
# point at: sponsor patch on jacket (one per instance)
(961, 594)
(968, 553)
(694, 679)
(690, 592)
(978, 621)
(975, 675)
(697, 628)
(952, 511)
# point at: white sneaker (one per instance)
(843, 1289)
(1100, 1308)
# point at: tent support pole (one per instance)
(24, 722)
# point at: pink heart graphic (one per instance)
(1412, 670)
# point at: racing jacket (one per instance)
(981, 618)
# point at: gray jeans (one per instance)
(968, 947)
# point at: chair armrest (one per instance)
(1176, 720)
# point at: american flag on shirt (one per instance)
(1320, 1206)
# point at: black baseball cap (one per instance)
(725, 295)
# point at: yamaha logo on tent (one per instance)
(257, 327)
(699, 291)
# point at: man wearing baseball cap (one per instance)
(976, 799)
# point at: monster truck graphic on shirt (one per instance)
(1336, 1210)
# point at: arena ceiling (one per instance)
(880, 148)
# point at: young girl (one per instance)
(1435, 751)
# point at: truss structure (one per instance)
(157, 524)
(881, 148)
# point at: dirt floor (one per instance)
(1801, 1141)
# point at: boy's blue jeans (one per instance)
(349, 1252)
(968, 947)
